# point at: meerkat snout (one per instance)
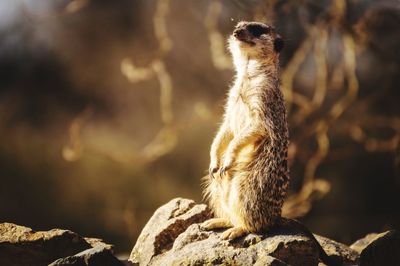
(255, 29)
(247, 31)
(243, 35)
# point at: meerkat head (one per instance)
(255, 40)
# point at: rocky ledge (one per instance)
(173, 237)
(21, 246)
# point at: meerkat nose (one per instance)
(238, 32)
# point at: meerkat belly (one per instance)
(240, 117)
(232, 202)
(226, 193)
(229, 190)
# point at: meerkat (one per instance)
(248, 174)
(248, 169)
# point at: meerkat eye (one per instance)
(278, 44)
(257, 30)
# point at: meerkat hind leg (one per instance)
(233, 233)
(215, 223)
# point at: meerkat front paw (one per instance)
(233, 233)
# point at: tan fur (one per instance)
(248, 168)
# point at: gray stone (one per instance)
(97, 242)
(198, 247)
(173, 237)
(96, 256)
(379, 249)
(164, 226)
(347, 255)
(269, 261)
(21, 245)
(362, 243)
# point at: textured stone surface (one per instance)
(198, 247)
(335, 249)
(360, 244)
(97, 242)
(97, 256)
(268, 261)
(21, 245)
(379, 249)
(173, 237)
(164, 226)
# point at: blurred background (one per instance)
(108, 110)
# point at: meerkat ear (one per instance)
(278, 44)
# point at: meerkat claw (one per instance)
(223, 170)
(212, 171)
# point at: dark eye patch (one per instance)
(257, 30)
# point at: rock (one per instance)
(164, 226)
(269, 261)
(21, 245)
(360, 244)
(173, 237)
(347, 255)
(97, 242)
(198, 247)
(96, 256)
(379, 249)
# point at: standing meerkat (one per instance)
(248, 170)
(248, 175)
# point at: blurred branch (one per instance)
(166, 139)
(75, 6)
(217, 41)
(301, 202)
(73, 150)
(290, 71)
(47, 10)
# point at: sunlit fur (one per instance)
(251, 144)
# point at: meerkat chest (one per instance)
(240, 111)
